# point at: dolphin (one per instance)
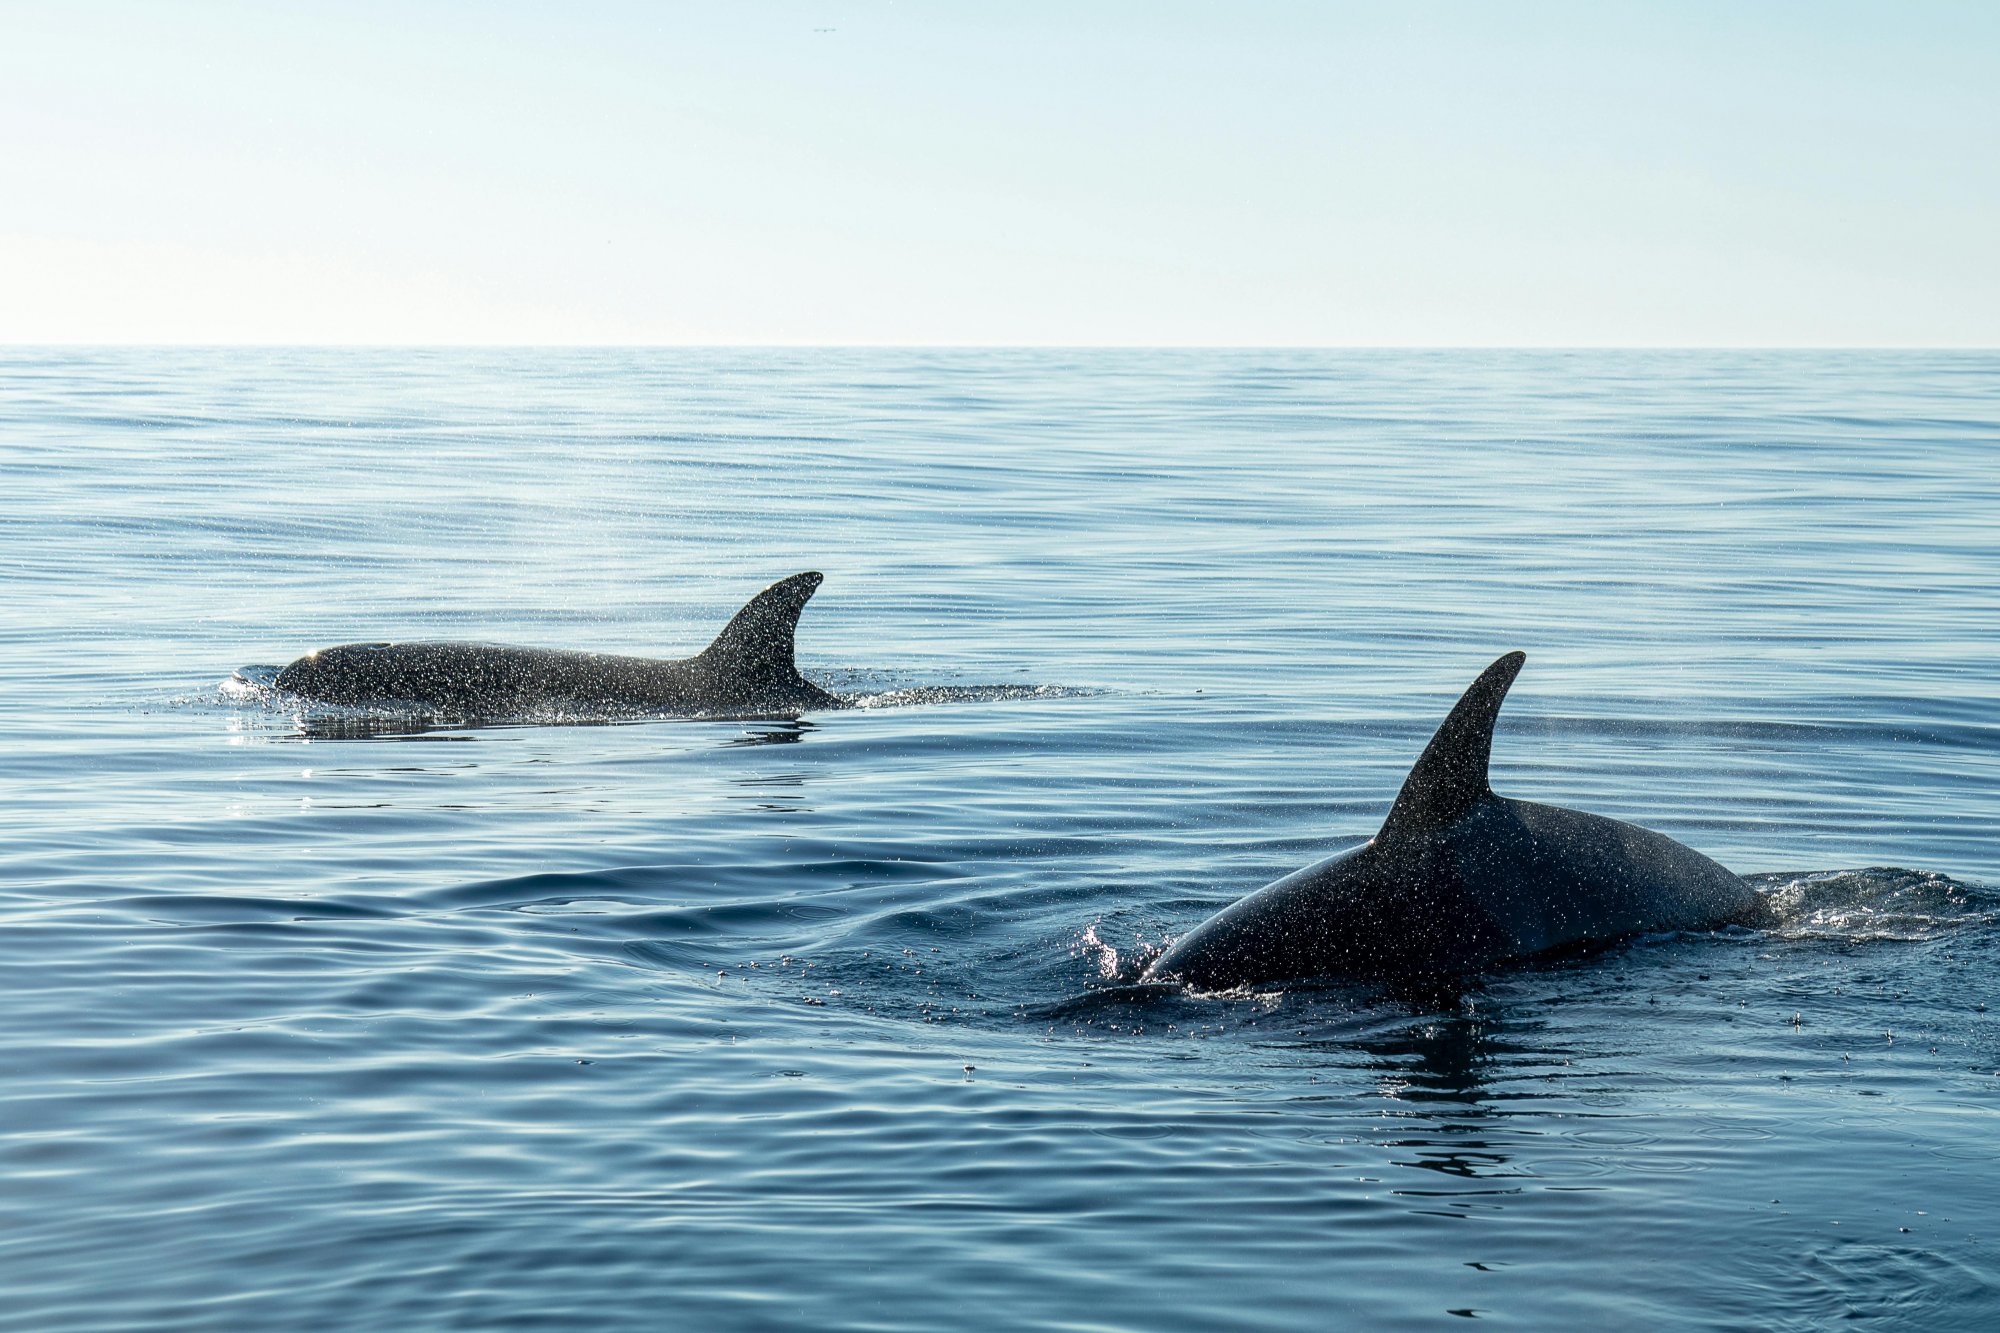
(1459, 879)
(747, 670)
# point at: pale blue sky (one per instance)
(1132, 173)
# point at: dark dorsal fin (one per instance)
(1450, 776)
(756, 645)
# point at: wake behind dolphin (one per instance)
(748, 669)
(1458, 879)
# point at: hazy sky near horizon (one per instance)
(1449, 173)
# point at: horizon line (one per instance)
(116, 345)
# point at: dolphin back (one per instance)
(1546, 877)
(750, 666)
(1459, 878)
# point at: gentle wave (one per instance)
(367, 1020)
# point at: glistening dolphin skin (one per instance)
(748, 669)
(1458, 879)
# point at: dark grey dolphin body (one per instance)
(748, 669)
(1459, 878)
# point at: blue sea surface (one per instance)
(329, 1019)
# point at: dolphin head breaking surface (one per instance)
(749, 668)
(1459, 879)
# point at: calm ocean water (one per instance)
(350, 1022)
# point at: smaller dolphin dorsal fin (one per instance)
(1450, 776)
(757, 643)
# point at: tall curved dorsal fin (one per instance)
(1450, 776)
(756, 644)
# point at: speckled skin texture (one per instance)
(1459, 879)
(748, 668)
